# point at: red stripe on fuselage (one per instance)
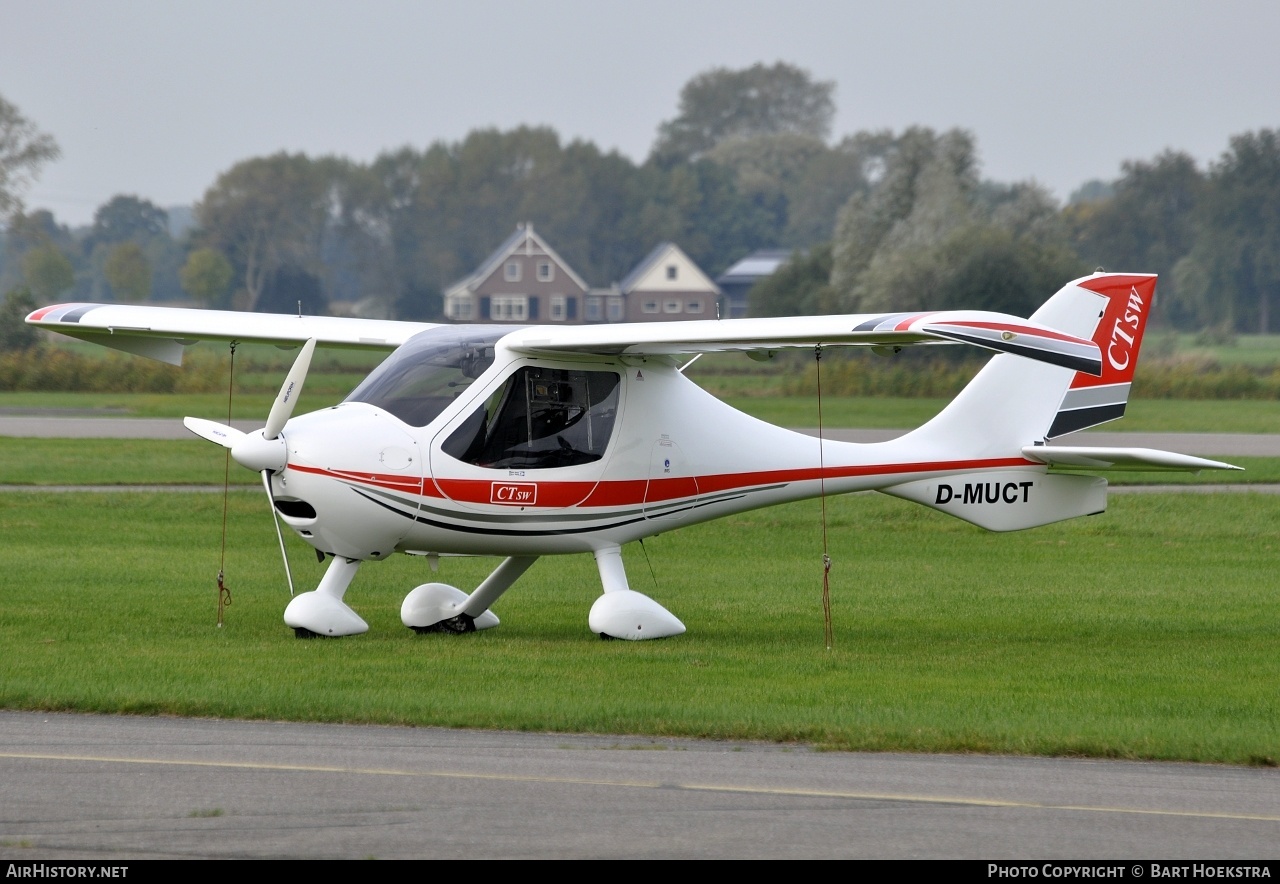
(409, 484)
(634, 492)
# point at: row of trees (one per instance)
(930, 234)
(878, 220)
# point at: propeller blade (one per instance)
(275, 520)
(282, 408)
(213, 431)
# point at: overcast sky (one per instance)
(157, 97)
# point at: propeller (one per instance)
(263, 451)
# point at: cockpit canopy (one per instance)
(431, 369)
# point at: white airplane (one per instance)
(533, 441)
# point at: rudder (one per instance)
(1089, 400)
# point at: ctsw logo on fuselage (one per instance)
(985, 492)
(514, 493)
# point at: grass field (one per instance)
(1147, 632)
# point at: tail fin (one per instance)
(1090, 400)
(1014, 399)
(1014, 402)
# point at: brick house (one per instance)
(523, 280)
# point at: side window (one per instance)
(540, 418)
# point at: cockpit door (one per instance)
(539, 439)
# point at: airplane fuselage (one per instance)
(362, 483)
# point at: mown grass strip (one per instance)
(116, 462)
(1147, 632)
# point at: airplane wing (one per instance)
(1143, 459)
(992, 331)
(162, 332)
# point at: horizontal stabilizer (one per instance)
(1143, 459)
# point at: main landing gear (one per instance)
(620, 613)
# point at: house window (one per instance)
(616, 310)
(693, 307)
(546, 272)
(649, 306)
(512, 271)
(592, 310)
(557, 308)
(671, 271)
(509, 308)
(672, 305)
(458, 307)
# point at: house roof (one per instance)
(523, 234)
(755, 266)
(661, 252)
(642, 268)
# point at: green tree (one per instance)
(1002, 268)
(127, 218)
(927, 190)
(815, 198)
(267, 213)
(206, 276)
(801, 287)
(48, 272)
(698, 206)
(27, 231)
(768, 169)
(15, 334)
(128, 272)
(1147, 224)
(721, 104)
(929, 234)
(1232, 274)
(23, 150)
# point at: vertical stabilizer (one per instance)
(1090, 400)
(1014, 402)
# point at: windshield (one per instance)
(430, 370)
(541, 417)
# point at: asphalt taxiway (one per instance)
(119, 788)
